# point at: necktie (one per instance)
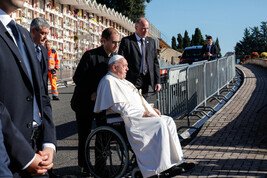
(144, 67)
(22, 49)
(38, 52)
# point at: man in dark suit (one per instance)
(92, 67)
(141, 54)
(4, 159)
(39, 29)
(23, 94)
(209, 50)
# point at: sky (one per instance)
(222, 19)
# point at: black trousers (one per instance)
(84, 126)
(143, 83)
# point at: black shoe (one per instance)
(52, 174)
(186, 166)
(85, 172)
(173, 171)
(55, 98)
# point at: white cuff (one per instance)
(27, 165)
(50, 145)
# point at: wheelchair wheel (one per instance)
(136, 173)
(106, 153)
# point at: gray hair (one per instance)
(38, 23)
(114, 63)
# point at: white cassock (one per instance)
(154, 140)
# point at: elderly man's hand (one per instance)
(148, 114)
(157, 111)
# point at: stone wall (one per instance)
(261, 62)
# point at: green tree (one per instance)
(254, 40)
(244, 47)
(219, 48)
(174, 46)
(263, 38)
(186, 40)
(133, 9)
(197, 38)
(180, 43)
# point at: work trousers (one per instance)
(53, 82)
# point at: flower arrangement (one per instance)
(76, 38)
(264, 55)
(255, 55)
(49, 4)
(248, 56)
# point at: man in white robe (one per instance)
(153, 137)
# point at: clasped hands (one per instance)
(149, 114)
(207, 54)
(42, 162)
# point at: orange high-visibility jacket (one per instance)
(53, 60)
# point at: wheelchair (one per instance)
(107, 150)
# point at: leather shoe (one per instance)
(186, 166)
(55, 98)
(52, 174)
(85, 171)
(173, 171)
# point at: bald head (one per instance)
(108, 32)
(141, 27)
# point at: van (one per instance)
(191, 54)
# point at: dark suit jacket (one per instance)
(12, 136)
(130, 50)
(4, 159)
(92, 67)
(44, 67)
(213, 51)
(16, 93)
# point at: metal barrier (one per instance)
(67, 69)
(187, 87)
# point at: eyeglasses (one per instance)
(116, 42)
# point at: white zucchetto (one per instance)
(115, 58)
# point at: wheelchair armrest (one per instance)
(113, 115)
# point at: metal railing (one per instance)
(187, 87)
(66, 70)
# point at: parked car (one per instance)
(191, 54)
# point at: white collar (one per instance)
(113, 74)
(138, 38)
(4, 18)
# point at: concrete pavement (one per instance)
(230, 143)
